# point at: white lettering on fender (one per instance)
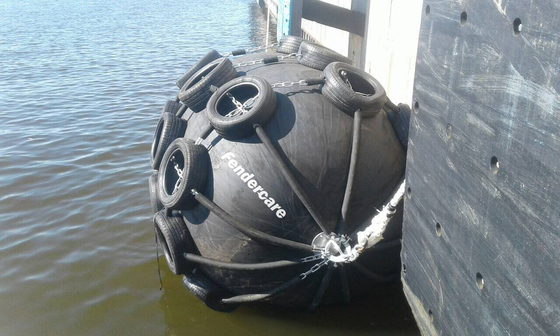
(251, 183)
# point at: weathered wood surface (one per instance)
(484, 91)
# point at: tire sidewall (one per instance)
(370, 105)
(211, 56)
(199, 89)
(168, 200)
(242, 126)
(195, 168)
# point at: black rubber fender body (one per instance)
(315, 139)
(193, 162)
(169, 128)
(175, 240)
(243, 90)
(196, 90)
(350, 89)
(209, 57)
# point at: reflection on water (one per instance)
(81, 87)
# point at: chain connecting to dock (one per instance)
(267, 60)
(301, 82)
(239, 52)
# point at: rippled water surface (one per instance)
(82, 84)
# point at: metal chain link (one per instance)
(259, 48)
(259, 61)
(314, 269)
(292, 55)
(289, 83)
(240, 108)
(252, 50)
(312, 258)
(343, 75)
(235, 102)
(242, 64)
(179, 173)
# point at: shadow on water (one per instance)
(383, 313)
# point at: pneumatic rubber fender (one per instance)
(183, 154)
(318, 57)
(196, 90)
(349, 99)
(212, 55)
(289, 44)
(175, 240)
(240, 126)
(169, 128)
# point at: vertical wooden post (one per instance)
(295, 17)
(280, 20)
(357, 44)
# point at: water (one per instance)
(81, 87)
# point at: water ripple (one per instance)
(81, 89)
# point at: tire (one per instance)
(400, 122)
(169, 128)
(211, 56)
(171, 106)
(207, 291)
(337, 91)
(154, 198)
(175, 240)
(289, 44)
(181, 112)
(195, 163)
(196, 91)
(241, 126)
(318, 57)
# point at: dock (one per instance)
(481, 231)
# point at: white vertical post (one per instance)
(267, 23)
(357, 44)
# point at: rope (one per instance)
(374, 232)
(336, 247)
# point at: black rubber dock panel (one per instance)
(481, 244)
